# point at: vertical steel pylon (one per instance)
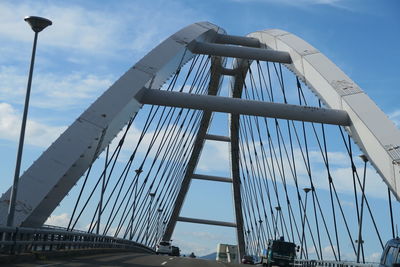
(217, 70)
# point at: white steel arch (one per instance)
(370, 128)
(53, 174)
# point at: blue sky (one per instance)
(91, 43)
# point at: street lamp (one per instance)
(159, 230)
(278, 215)
(360, 241)
(306, 190)
(37, 24)
(259, 236)
(148, 216)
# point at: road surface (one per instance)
(126, 259)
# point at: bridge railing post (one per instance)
(51, 243)
(34, 241)
(45, 239)
(81, 240)
(5, 238)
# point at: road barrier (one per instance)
(16, 240)
(319, 263)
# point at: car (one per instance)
(247, 259)
(192, 255)
(175, 251)
(164, 247)
(391, 253)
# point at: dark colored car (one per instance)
(247, 259)
(279, 253)
(391, 253)
(175, 251)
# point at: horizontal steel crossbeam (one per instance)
(244, 107)
(210, 222)
(229, 72)
(250, 53)
(217, 138)
(211, 178)
(237, 40)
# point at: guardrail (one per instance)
(319, 263)
(15, 240)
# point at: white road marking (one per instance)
(46, 265)
(164, 263)
(171, 258)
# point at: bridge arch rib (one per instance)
(57, 170)
(370, 128)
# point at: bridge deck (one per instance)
(126, 259)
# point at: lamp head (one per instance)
(307, 190)
(38, 23)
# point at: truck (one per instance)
(227, 253)
(391, 254)
(279, 253)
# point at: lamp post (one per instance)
(37, 24)
(360, 242)
(258, 236)
(306, 190)
(148, 216)
(159, 230)
(278, 215)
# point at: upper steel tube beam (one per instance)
(211, 178)
(244, 107)
(217, 138)
(228, 72)
(237, 40)
(210, 222)
(250, 53)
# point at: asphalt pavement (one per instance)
(125, 259)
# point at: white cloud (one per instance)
(94, 29)
(347, 203)
(374, 257)
(327, 252)
(205, 241)
(111, 231)
(214, 157)
(73, 26)
(301, 2)
(61, 220)
(309, 2)
(187, 247)
(340, 170)
(37, 134)
(51, 90)
(205, 235)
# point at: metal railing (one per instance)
(319, 263)
(15, 240)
